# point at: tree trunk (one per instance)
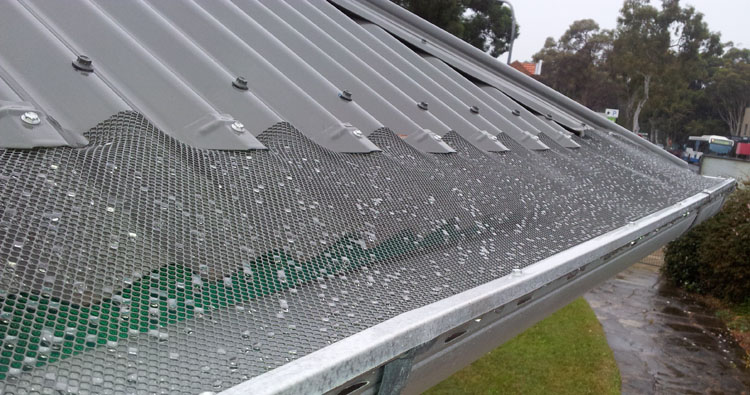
(731, 112)
(641, 103)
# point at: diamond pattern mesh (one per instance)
(137, 264)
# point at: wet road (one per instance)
(664, 341)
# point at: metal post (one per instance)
(512, 27)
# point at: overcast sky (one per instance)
(540, 19)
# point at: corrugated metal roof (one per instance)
(196, 167)
(296, 61)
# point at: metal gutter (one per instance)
(452, 50)
(335, 365)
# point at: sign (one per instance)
(612, 113)
(721, 142)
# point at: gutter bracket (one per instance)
(396, 372)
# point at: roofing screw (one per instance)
(548, 116)
(83, 63)
(516, 112)
(437, 137)
(31, 118)
(345, 95)
(357, 133)
(474, 109)
(517, 272)
(493, 138)
(422, 105)
(238, 127)
(240, 83)
(424, 41)
(535, 137)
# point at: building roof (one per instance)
(528, 68)
(281, 196)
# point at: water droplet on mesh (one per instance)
(79, 287)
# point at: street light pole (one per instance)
(512, 27)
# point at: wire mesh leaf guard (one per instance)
(137, 264)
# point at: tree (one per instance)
(640, 51)
(576, 65)
(485, 24)
(664, 51)
(446, 14)
(730, 88)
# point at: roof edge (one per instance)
(333, 365)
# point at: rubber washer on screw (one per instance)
(345, 95)
(240, 83)
(83, 63)
(423, 105)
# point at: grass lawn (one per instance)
(567, 353)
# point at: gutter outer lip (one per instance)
(339, 362)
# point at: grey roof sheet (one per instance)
(296, 57)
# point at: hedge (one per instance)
(714, 257)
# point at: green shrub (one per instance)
(714, 257)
